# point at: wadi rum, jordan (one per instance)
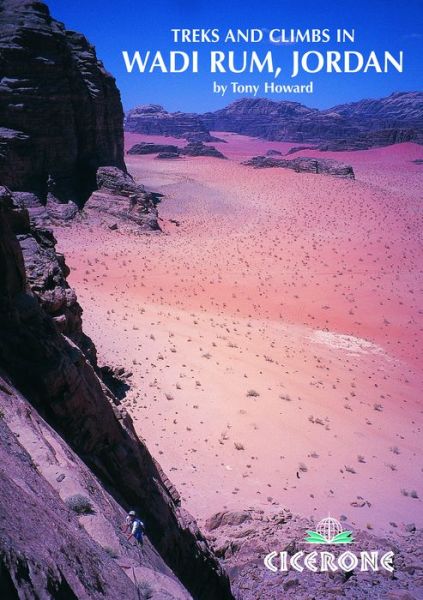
(210, 323)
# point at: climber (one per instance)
(134, 527)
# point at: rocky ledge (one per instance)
(304, 164)
(119, 200)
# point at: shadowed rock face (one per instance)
(57, 377)
(61, 115)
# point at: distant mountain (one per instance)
(356, 125)
(155, 120)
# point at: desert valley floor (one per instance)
(274, 329)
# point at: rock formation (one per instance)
(244, 538)
(150, 148)
(169, 151)
(119, 198)
(273, 152)
(168, 155)
(200, 149)
(373, 139)
(58, 378)
(51, 546)
(154, 119)
(353, 126)
(51, 75)
(202, 136)
(303, 164)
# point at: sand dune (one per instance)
(273, 331)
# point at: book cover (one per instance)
(211, 300)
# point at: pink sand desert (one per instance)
(273, 329)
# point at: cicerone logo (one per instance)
(329, 531)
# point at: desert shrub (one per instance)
(253, 394)
(145, 590)
(111, 552)
(80, 504)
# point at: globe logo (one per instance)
(329, 531)
(329, 528)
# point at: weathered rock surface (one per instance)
(119, 197)
(202, 136)
(154, 119)
(196, 148)
(46, 273)
(168, 155)
(46, 549)
(56, 377)
(259, 117)
(150, 148)
(303, 164)
(353, 126)
(244, 538)
(200, 149)
(52, 76)
(373, 139)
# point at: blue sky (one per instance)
(135, 25)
